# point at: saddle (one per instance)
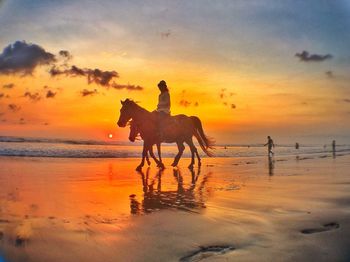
(167, 125)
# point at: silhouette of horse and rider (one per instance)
(159, 126)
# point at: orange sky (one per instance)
(245, 79)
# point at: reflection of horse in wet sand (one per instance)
(154, 198)
(179, 129)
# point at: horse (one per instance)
(178, 129)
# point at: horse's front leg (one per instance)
(153, 156)
(144, 154)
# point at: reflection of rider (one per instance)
(163, 107)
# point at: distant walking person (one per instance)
(296, 145)
(269, 145)
(333, 148)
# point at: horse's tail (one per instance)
(206, 143)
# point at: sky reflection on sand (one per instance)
(57, 188)
(101, 209)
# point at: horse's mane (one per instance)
(135, 104)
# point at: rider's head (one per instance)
(162, 86)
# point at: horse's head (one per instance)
(134, 131)
(126, 112)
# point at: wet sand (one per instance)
(252, 209)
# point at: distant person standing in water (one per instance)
(269, 145)
(296, 145)
(163, 107)
(333, 148)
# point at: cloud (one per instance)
(86, 92)
(223, 95)
(184, 103)
(21, 121)
(96, 76)
(304, 56)
(329, 74)
(101, 77)
(32, 96)
(9, 86)
(165, 34)
(13, 107)
(128, 87)
(65, 54)
(50, 94)
(22, 57)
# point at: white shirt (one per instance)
(164, 103)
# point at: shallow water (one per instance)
(54, 209)
(26, 147)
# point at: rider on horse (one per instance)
(163, 107)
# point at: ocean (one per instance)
(62, 148)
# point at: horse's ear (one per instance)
(121, 101)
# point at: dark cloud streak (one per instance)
(330, 74)
(304, 56)
(86, 92)
(50, 94)
(96, 76)
(13, 107)
(32, 96)
(9, 86)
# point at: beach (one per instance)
(231, 209)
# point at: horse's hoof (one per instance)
(173, 164)
(161, 166)
(149, 163)
(139, 168)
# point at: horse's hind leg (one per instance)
(199, 159)
(193, 152)
(159, 164)
(181, 148)
(160, 156)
